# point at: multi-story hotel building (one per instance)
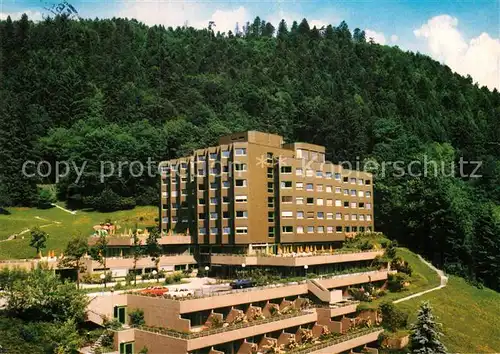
(255, 190)
(254, 202)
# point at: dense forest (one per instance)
(118, 90)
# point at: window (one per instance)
(213, 216)
(329, 229)
(270, 231)
(367, 182)
(226, 184)
(309, 187)
(242, 230)
(328, 175)
(299, 186)
(287, 199)
(173, 193)
(310, 229)
(270, 187)
(321, 215)
(309, 172)
(225, 153)
(310, 214)
(201, 201)
(225, 169)
(353, 180)
(298, 171)
(338, 216)
(310, 201)
(201, 172)
(240, 166)
(213, 201)
(202, 231)
(319, 174)
(165, 168)
(338, 176)
(164, 220)
(225, 200)
(175, 205)
(201, 158)
(225, 214)
(270, 172)
(299, 200)
(346, 204)
(338, 229)
(368, 217)
(347, 229)
(354, 217)
(241, 214)
(213, 185)
(354, 204)
(346, 191)
(241, 183)
(368, 206)
(361, 217)
(299, 153)
(300, 215)
(353, 192)
(338, 190)
(320, 230)
(287, 214)
(174, 218)
(240, 199)
(361, 194)
(314, 156)
(214, 170)
(214, 230)
(286, 170)
(346, 216)
(201, 187)
(361, 229)
(345, 179)
(360, 181)
(270, 216)
(226, 230)
(329, 202)
(328, 189)
(368, 194)
(329, 216)
(202, 216)
(300, 229)
(361, 205)
(319, 201)
(240, 151)
(354, 228)
(319, 188)
(270, 202)
(287, 229)
(286, 184)
(213, 156)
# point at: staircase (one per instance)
(95, 348)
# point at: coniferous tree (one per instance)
(425, 333)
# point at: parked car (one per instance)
(180, 293)
(155, 290)
(242, 283)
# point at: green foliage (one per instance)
(10, 276)
(41, 296)
(76, 248)
(393, 318)
(144, 350)
(401, 265)
(38, 239)
(46, 197)
(425, 334)
(396, 282)
(136, 317)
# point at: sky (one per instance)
(465, 35)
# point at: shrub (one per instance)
(396, 282)
(360, 294)
(45, 198)
(136, 317)
(129, 278)
(107, 339)
(401, 265)
(392, 317)
(177, 277)
(144, 350)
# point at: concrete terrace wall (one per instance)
(351, 279)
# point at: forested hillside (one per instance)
(99, 90)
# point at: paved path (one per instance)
(442, 276)
(66, 210)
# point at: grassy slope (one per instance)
(59, 234)
(469, 315)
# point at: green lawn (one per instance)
(470, 316)
(68, 225)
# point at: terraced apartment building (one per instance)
(253, 190)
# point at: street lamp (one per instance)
(243, 265)
(305, 269)
(154, 275)
(103, 278)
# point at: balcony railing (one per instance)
(337, 305)
(335, 340)
(187, 336)
(302, 254)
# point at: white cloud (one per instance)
(479, 57)
(32, 15)
(394, 38)
(193, 14)
(378, 37)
